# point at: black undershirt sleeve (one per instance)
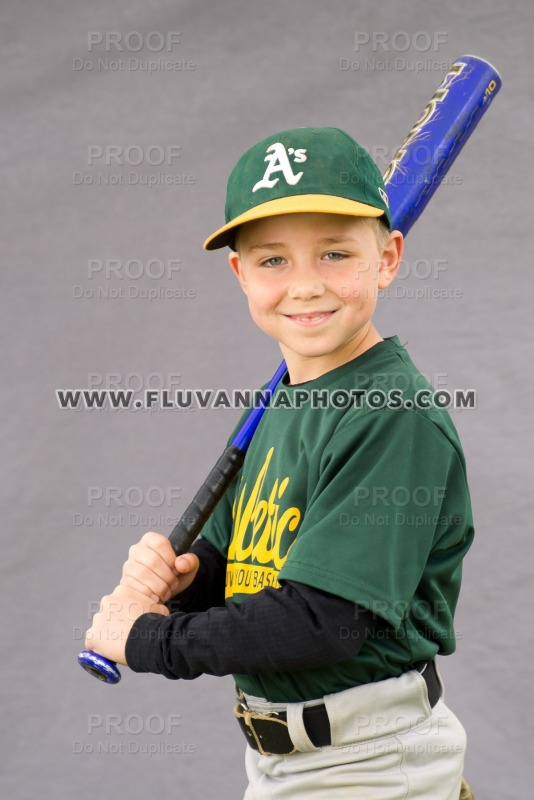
(290, 628)
(207, 590)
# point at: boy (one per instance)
(326, 579)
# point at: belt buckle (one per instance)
(264, 732)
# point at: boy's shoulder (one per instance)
(381, 393)
(381, 365)
(380, 388)
(385, 369)
(389, 381)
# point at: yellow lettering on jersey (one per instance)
(259, 525)
(248, 579)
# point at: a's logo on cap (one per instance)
(384, 196)
(278, 161)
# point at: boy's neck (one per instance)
(303, 368)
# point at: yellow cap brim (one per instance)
(303, 203)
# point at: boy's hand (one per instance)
(155, 571)
(113, 622)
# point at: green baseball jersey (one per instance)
(354, 484)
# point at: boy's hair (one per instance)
(381, 230)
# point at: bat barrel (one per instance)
(435, 140)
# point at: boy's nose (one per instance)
(304, 285)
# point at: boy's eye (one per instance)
(333, 255)
(275, 261)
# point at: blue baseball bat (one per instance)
(415, 172)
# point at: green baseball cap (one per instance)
(302, 170)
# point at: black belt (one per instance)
(269, 733)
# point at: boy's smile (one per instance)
(312, 281)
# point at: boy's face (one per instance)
(312, 281)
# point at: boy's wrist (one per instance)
(142, 643)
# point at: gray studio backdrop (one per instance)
(120, 122)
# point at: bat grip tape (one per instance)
(199, 510)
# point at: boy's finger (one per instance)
(128, 580)
(160, 545)
(186, 563)
(161, 583)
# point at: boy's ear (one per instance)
(390, 259)
(237, 269)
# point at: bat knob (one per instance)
(99, 667)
